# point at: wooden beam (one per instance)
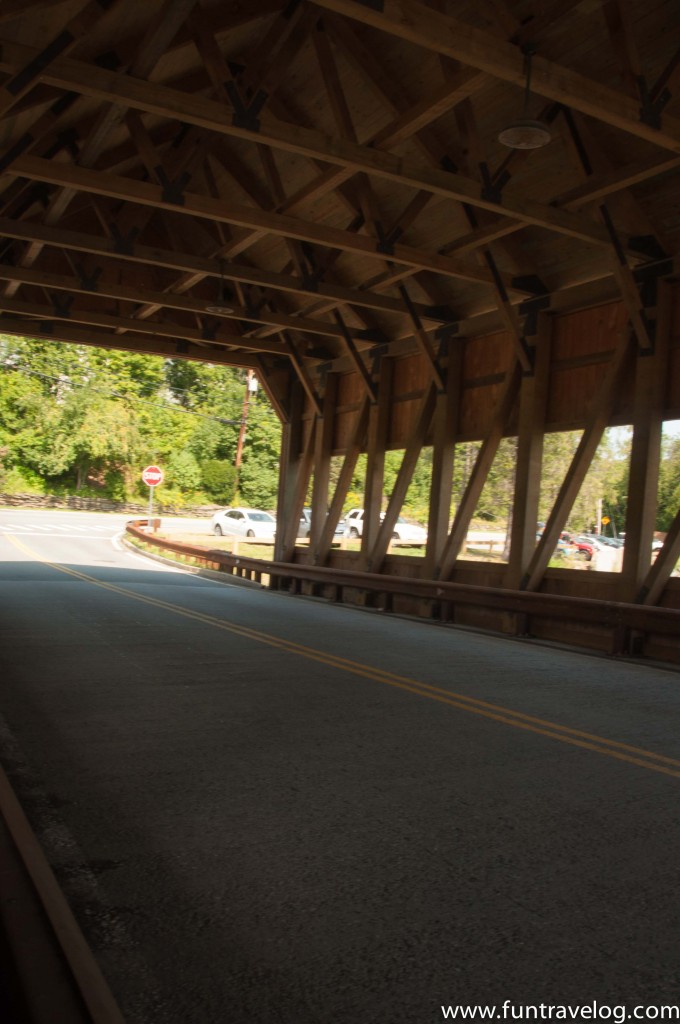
(530, 434)
(172, 103)
(353, 450)
(378, 434)
(356, 359)
(412, 452)
(301, 370)
(661, 570)
(24, 79)
(270, 381)
(651, 381)
(169, 300)
(441, 33)
(457, 87)
(423, 341)
(630, 294)
(322, 462)
(599, 418)
(73, 315)
(151, 345)
(599, 186)
(297, 457)
(480, 472)
(196, 205)
(445, 430)
(201, 266)
(13, 8)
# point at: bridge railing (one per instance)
(627, 625)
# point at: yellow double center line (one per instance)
(497, 713)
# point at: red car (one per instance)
(584, 549)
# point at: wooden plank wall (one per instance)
(583, 342)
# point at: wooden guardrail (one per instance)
(625, 623)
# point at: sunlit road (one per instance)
(272, 810)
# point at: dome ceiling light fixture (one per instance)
(525, 133)
(221, 307)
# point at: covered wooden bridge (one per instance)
(419, 223)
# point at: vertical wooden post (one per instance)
(480, 472)
(322, 460)
(598, 419)
(354, 448)
(645, 458)
(531, 428)
(377, 556)
(296, 466)
(445, 427)
(378, 432)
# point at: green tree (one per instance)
(219, 479)
(258, 478)
(183, 471)
(75, 417)
(669, 484)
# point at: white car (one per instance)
(408, 533)
(244, 522)
(403, 533)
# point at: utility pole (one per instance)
(251, 387)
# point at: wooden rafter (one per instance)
(199, 267)
(167, 300)
(444, 34)
(147, 194)
(208, 114)
(150, 344)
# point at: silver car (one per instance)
(305, 526)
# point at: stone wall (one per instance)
(40, 501)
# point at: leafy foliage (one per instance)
(219, 480)
(86, 420)
(75, 419)
(669, 484)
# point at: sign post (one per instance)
(152, 476)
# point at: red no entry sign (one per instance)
(152, 476)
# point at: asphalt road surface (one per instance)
(271, 810)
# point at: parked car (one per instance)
(244, 522)
(404, 532)
(306, 525)
(579, 547)
(599, 538)
(354, 523)
(586, 548)
(408, 533)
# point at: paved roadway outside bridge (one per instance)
(271, 810)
